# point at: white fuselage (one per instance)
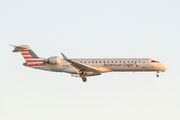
(109, 65)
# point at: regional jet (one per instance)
(88, 67)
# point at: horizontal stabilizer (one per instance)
(20, 47)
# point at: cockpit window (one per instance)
(154, 61)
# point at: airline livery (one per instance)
(88, 67)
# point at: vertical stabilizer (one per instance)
(29, 55)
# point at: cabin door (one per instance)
(144, 64)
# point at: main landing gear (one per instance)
(83, 76)
(157, 74)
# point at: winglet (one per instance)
(64, 56)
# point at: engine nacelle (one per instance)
(53, 60)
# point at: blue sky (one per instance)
(90, 29)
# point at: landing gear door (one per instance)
(144, 64)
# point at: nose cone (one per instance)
(166, 67)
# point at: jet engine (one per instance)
(53, 60)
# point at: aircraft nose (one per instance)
(166, 67)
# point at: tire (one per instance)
(84, 79)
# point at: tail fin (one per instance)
(29, 55)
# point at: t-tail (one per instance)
(32, 60)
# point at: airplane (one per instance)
(84, 68)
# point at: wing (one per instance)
(81, 67)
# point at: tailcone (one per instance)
(25, 64)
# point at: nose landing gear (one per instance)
(157, 74)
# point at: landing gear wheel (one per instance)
(83, 76)
(84, 79)
(157, 75)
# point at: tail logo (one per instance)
(31, 58)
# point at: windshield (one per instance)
(154, 61)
